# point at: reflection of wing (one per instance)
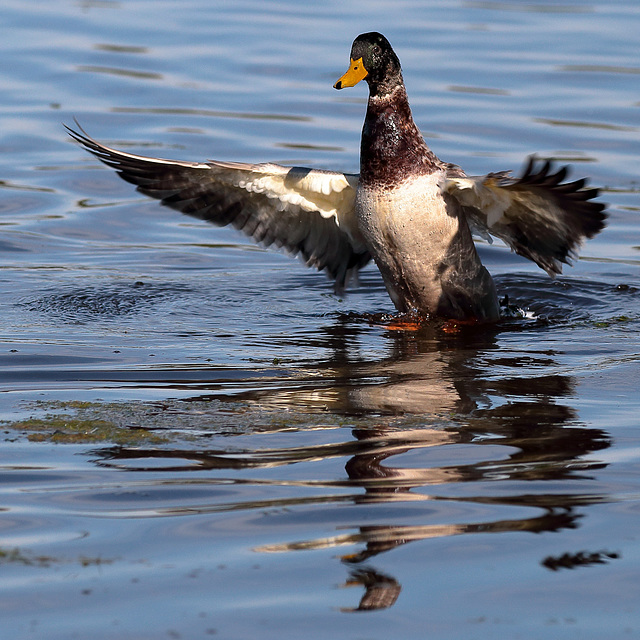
(537, 215)
(306, 211)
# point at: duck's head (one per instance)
(373, 60)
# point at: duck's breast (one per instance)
(422, 246)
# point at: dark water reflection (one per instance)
(506, 439)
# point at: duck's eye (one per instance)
(376, 49)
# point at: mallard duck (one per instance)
(408, 210)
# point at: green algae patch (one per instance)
(28, 558)
(17, 556)
(170, 421)
(88, 425)
(76, 431)
(603, 324)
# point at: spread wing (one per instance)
(306, 211)
(538, 215)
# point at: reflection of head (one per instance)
(381, 591)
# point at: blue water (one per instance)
(276, 463)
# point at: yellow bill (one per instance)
(355, 73)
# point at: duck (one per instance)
(411, 213)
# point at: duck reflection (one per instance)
(380, 591)
(433, 392)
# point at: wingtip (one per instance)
(79, 135)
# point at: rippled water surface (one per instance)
(200, 439)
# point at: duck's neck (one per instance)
(392, 146)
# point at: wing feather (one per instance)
(306, 211)
(538, 215)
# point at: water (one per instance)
(200, 439)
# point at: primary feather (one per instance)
(538, 215)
